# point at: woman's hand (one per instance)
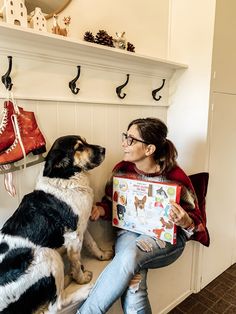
(179, 216)
(97, 212)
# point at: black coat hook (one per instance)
(6, 79)
(155, 91)
(72, 84)
(119, 88)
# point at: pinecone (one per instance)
(103, 38)
(130, 47)
(88, 36)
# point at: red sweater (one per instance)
(188, 199)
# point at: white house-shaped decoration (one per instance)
(38, 20)
(14, 12)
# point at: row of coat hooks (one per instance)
(7, 81)
(75, 90)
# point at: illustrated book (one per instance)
(143, 207)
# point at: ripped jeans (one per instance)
(130, 260)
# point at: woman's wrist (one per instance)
(190, 228)
(188, 224)
(101, 211)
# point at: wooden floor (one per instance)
(217, 297)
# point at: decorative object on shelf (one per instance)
(67, 20)
(130, 47)
(14, 12)
(72, 84)
(38, 20)
(6, 79)
(155, 91)
(103, 38)
(56, 29)
(119, 88)
(88, 36)
(120, 41)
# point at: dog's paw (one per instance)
(87, 276)
(83, 277)
(106, 255)
(85, 290)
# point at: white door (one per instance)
(221, 204)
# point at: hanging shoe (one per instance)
(7, 135)
(28, 138)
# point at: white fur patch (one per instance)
(77, 194)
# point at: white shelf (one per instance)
(29, 43)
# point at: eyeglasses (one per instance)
(130, 139)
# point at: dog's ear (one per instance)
(55, 159)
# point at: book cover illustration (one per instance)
(143, 207)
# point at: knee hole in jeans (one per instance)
(135, 282)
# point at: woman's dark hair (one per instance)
(154, 131)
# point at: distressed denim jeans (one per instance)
(129, 260)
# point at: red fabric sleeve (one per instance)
(201, 235)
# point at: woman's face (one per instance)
(136, 152)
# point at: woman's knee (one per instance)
(129, 260)
(135, 299)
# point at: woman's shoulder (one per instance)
(179, 175)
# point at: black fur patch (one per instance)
(14, 264)
(39, 294)
(60, 158)
(42, 218)
(3, 247)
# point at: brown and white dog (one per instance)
(54, 215)
(139, 203)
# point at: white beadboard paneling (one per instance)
(67, 120)
(47, 115)
(27, 105)
(27, 178)
(83, 118)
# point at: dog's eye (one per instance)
(80, 147)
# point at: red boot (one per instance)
(7, 135)
(28, 138)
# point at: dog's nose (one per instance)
(103, 150)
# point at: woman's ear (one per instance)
(150, 149)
